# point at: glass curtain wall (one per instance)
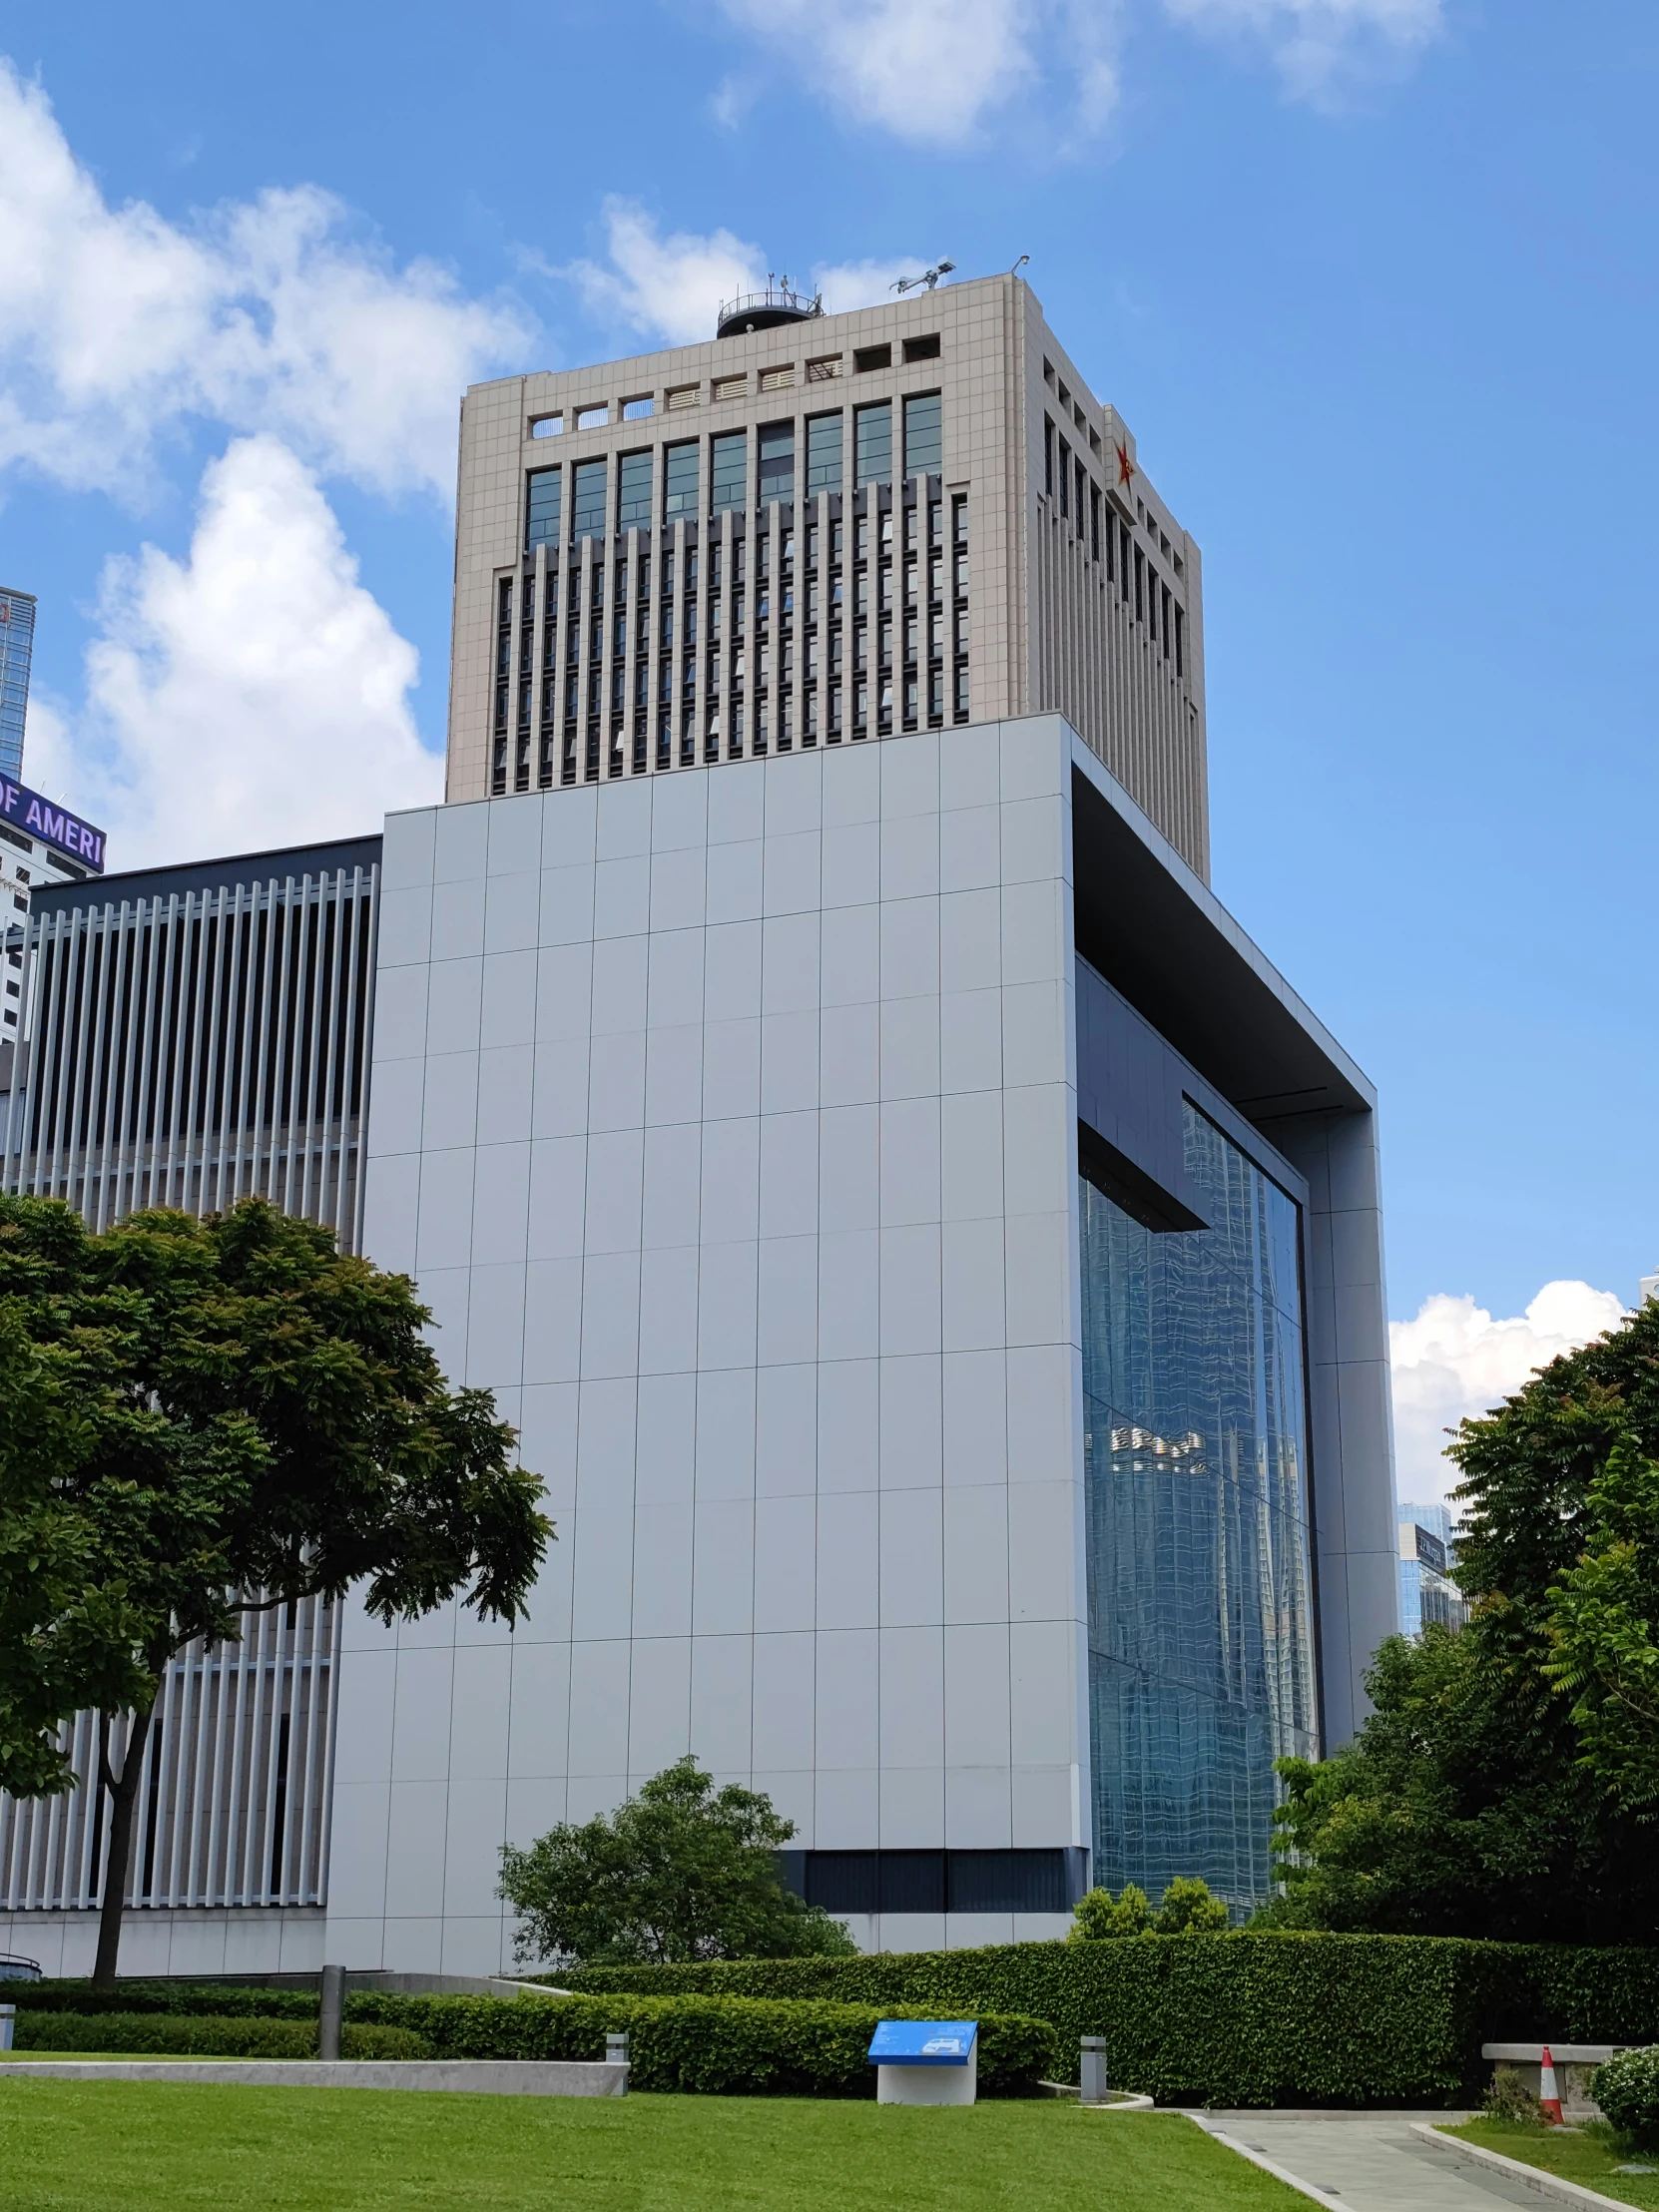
(1201, 1627)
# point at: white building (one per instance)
(931, 1257)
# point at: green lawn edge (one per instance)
(1569, 2154)
(113, 2146)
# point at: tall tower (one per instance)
(814, 531)
(17, 637)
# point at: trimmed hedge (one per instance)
(722, 2045)
(216, 2000)
(173, 2035)
(1241, 2019)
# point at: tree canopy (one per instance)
(680, 1871)
(197, 1416)
(1506, 1781)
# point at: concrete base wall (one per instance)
(236, 1940)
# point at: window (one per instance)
(543, 525)
(776, 462)
(1065, 478)
(683, 395)
(587, 507)
(1048, 372)
(866, 357)
(591, 418)
(1123, 560)
(1082, 496)
(823, 452)
(924, 436)
(922, 349)
(728, 387)
(1094, 523)
(637, 410)
(1166, 598)
(680, 480)
(1179, 642)
(778, 379)
(730, 472)
(547, 425)
(873, 444)
(1140, 584)
(633, 499)
(823, 371)
(1048, 457)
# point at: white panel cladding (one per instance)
(798, 1343)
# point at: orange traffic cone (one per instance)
(1549, 2096)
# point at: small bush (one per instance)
(197, 2035)
(1510, 2101)
(1627, 2090)
(733, 2046)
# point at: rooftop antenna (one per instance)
(931, 280)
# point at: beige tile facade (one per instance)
(1026, 566)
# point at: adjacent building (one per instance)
(930, 1255)
(17, 642)
(1427, 1561)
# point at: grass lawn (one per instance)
(113, 2146)
(1585, 2155)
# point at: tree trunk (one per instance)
(118, 1853)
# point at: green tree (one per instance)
(1097, 1920)
(1189, 1910)
(1506, 1781)
(205, 1417)
(680, 1873)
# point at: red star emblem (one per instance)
(1126, 467)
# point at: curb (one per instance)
(1515, 2169)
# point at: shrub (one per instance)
(1627, 2090)
(721, 2045)
(1097, 1920)
(1510, 2101)
(221, 2001)
(200, 2035)
(1238, 2019)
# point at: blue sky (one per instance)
(1371, 280)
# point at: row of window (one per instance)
(754, 689)
(1079, 500)
(679, 469)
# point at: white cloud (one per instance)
(929, 71)
(115, 324)
(1453, 1358)
(862, 283)
(251, 695)
(1319, 45)
(668, 287)
(936, 71)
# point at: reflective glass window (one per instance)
(872, 443)
(633, 499)
(543, 525)
(777, 462)
(680, 480)
(924, 436)
(823, 452)
(587, 506)
(730, 472)
(1201, 1631)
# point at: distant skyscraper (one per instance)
(17, 637)
(1427, 1561)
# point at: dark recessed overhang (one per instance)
(1163, 940)
(245, 868)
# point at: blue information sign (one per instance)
(923, 2043)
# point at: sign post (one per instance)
(925, 2061)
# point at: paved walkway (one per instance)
(1369, 2161)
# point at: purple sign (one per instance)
(27, 809)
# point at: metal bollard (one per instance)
(1093, 2075)
(616, 2050)
(333, 2009)
(8, 2025)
